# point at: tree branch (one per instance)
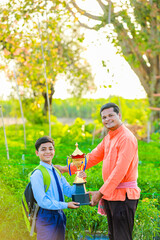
(82, 24)
(131, 46)
(84, 13)
(142, 78)
(85, 26)
(126, 42)
(102, 5)
(127, 47)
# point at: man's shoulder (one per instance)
(127, 130)
(127, 134)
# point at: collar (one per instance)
(46, 165)
(115, 132)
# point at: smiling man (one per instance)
(111, 118)
(119, 194)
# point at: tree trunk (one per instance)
(138, 39)
(45, 108)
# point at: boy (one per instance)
(51, 220)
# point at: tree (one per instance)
(135, 32)
(61, 41)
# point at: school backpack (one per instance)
(29, 205)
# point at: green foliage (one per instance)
(12, 226)
(155, 136)
(147, 220)
(85, 220)
(33, 111)
(71, 108)
(90, 127)
(149, 167)
(11, 108)
(156, 125)
(133, 28)
(133, 111)
(22, 39)
(149, 153)
(75, 132)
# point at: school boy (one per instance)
(51, 220)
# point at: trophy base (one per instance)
(83, 199)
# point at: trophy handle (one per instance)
(68, 165)
(85, 163)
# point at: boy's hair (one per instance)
(42, 140)
(110, 105)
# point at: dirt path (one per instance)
(69, 121)
(10, 121)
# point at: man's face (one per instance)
(46, 152)
(110, 119)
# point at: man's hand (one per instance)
(82, 174)
(62, 169)
(73, 205)
(96, 196)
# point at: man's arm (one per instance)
(62, 169)
(93, 159)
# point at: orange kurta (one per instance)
(119, 153)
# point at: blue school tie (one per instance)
(58, 186)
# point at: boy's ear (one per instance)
(37, 153)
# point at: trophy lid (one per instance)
(77, 153)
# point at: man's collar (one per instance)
(115, 132)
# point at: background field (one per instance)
(13, 179)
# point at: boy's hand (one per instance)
(73, 205)
(62, 169)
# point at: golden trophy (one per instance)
(79, 160)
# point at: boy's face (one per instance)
(46, 152)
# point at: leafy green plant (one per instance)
(85, 220)
(12, 225)
(147, 222)
(155, 136)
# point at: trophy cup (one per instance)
(79, 161)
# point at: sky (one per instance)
(123, 80)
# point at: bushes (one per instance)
(84, 219)
(133, 111)
(13, 179)
(147, 220)
(12, 225)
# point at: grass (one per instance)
(13, 179)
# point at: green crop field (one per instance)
(85, 220)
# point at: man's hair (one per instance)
(110, 105)
(42, 140)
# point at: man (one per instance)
(119, 193)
